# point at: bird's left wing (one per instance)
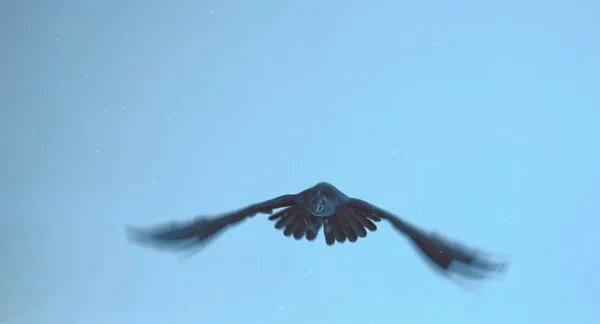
(449, 257)
(200, 230)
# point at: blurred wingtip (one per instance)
(137, 235)
(150, 238)
(502, 266)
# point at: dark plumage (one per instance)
(340, 217)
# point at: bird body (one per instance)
(342, 218)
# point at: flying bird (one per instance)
(341, 218)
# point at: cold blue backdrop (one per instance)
(474, 118)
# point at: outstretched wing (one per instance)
(188, 235)
(447, 256)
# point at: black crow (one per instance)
(342, 218)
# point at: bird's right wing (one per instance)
(191, 234)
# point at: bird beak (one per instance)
(318, 207)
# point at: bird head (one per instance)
(318, 204)
(322, 203)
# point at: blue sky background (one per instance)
(474, 118)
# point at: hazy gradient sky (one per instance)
(474, 118)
